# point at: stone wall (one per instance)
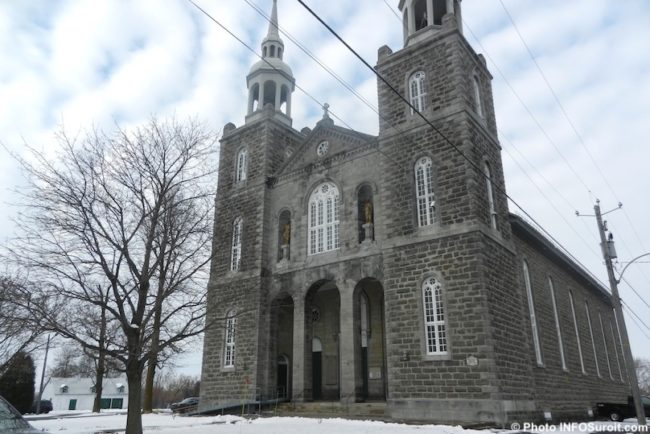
(570, 393)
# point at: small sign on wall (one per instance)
(374, 372)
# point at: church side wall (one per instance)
(240, 291)
(569, 393)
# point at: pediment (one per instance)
(338, 141)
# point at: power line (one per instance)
(637, 324)
(440, 133)
(376, 110)
(252, 50)
(570, 122)
(530, 113)
(636, 292)
(557, 99)
(557, 211)
(570, 206)
(635, 314)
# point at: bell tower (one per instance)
(421, 18)
(270, 81)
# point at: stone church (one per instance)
(351, 267)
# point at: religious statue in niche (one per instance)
(286, 234)
(367, 212)
(368, 226)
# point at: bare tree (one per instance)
(643, 375)
(66, 363)
(18, 333)
(95, 241)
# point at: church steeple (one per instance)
(270, 81)
(273, 35)
(422, 18)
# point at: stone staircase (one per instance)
(358, 410)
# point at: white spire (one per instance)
(273, 24)
(270, 81)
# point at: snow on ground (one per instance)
(167, 423)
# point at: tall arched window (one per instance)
(235, 253)
(593, 341)
(575, 326)
(490, 195)
(602, 331)
(426, 199)
(417, 91)
(556, 316)
(533, 316)
(478, 103)
(421, 15)
(323, 219)
(229, 347)
(242, 165)
(435, 328)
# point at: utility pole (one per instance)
(607, 248)
(42, 386)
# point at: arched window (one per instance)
(417, 91)
(434, 317)
(242, 165)
(593, 341)
(235, 254)
(439, 11)
(426, 200)
(272, 50)
(323, 219)
(556, 316)
(229, 347)
(490, 195)
(478, 103)
(421, 15)
(533, 316)
(576, 329)
(602, 331)
(618, 360)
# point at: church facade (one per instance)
(354, 268)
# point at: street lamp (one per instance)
(620, 275)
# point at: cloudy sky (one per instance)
(84, 63)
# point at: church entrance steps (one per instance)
(371, 410)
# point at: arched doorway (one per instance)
(283, 376)
(322, 324)
(317, 369)
(370, 360)
(281, 347)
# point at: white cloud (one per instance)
(90, 62)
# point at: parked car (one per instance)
(185, 406)
(46, 406)
(11, 422)
(618, 412)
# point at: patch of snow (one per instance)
(166, 423)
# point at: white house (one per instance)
(79, 393)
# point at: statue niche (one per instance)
(284, 237)
(366, 215)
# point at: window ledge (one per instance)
(436, 357)
(427, 230)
